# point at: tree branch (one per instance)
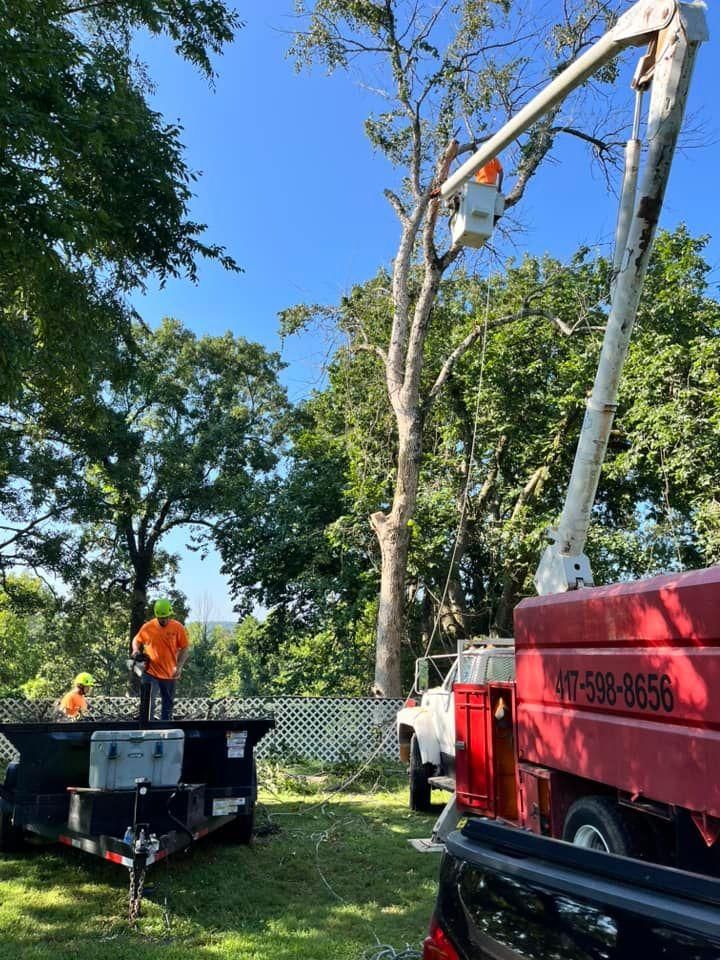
(492, 473)
(397, 205)
(85, 7)
(19, 534)
(157, 529)
(192, 522)
(600, 146)
(533, 158)
(476, 333)
(371, 348)
(401, 304)
(130, 540)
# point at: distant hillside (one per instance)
(225, 624)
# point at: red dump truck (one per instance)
(609, 733)
(609, 736)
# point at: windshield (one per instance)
(468, 669)
(450, 678)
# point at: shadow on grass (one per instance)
(327, 885)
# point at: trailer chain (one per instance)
(137, 885)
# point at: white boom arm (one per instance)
(675, 31)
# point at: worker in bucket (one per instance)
(491, 174)
(166, 645)
(74, 704)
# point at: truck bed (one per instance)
(616, 685)
(505, 894)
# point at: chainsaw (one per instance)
(137, 663)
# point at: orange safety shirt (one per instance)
(162, 644)
(490, 173)
(73, 703)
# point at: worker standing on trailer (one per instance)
(74, 704)
(165, 642)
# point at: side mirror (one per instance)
(422, 674)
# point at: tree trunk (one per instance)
(503, 620)
(453, 615)
(394, 538)
(138, 597)
(138, 607)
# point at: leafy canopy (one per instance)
(94, 190)
(657, 505)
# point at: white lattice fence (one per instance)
(313, 728)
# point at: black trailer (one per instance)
(48, 792)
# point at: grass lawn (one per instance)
(335, 877)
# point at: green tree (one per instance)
(26, 610)
(522, 399)
(295, 560)
(46, 639)
(94, 201)
(184, 445)
(94, 190)
(184, 440)
(438, 68)
(243, 667)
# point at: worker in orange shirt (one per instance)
(165, 642)
(491, 174)
(74, 704)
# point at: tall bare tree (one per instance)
(440, 67)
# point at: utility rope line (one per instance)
(468, 480)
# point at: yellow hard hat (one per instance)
(162, 608)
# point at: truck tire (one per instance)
(240, 830)
(419, 773)
(598, 823)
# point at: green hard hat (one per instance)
(162, 608)
(84, 680)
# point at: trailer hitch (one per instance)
(144, 844)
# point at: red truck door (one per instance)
(474, 786)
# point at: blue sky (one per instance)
(292, 187)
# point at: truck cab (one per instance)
(426, 729)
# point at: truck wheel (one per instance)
(419, 773)
(597, 823)
(240, 830)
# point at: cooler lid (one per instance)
(137, 736)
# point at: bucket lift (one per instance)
(673, 32)
(478, 207)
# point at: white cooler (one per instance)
(119, 757)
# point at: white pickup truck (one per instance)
(426, 730)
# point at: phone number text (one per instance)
(642, 691)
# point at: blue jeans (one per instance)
(166, 689)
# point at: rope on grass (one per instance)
(386, 952)
(380, 951)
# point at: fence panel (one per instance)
(329, 729)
